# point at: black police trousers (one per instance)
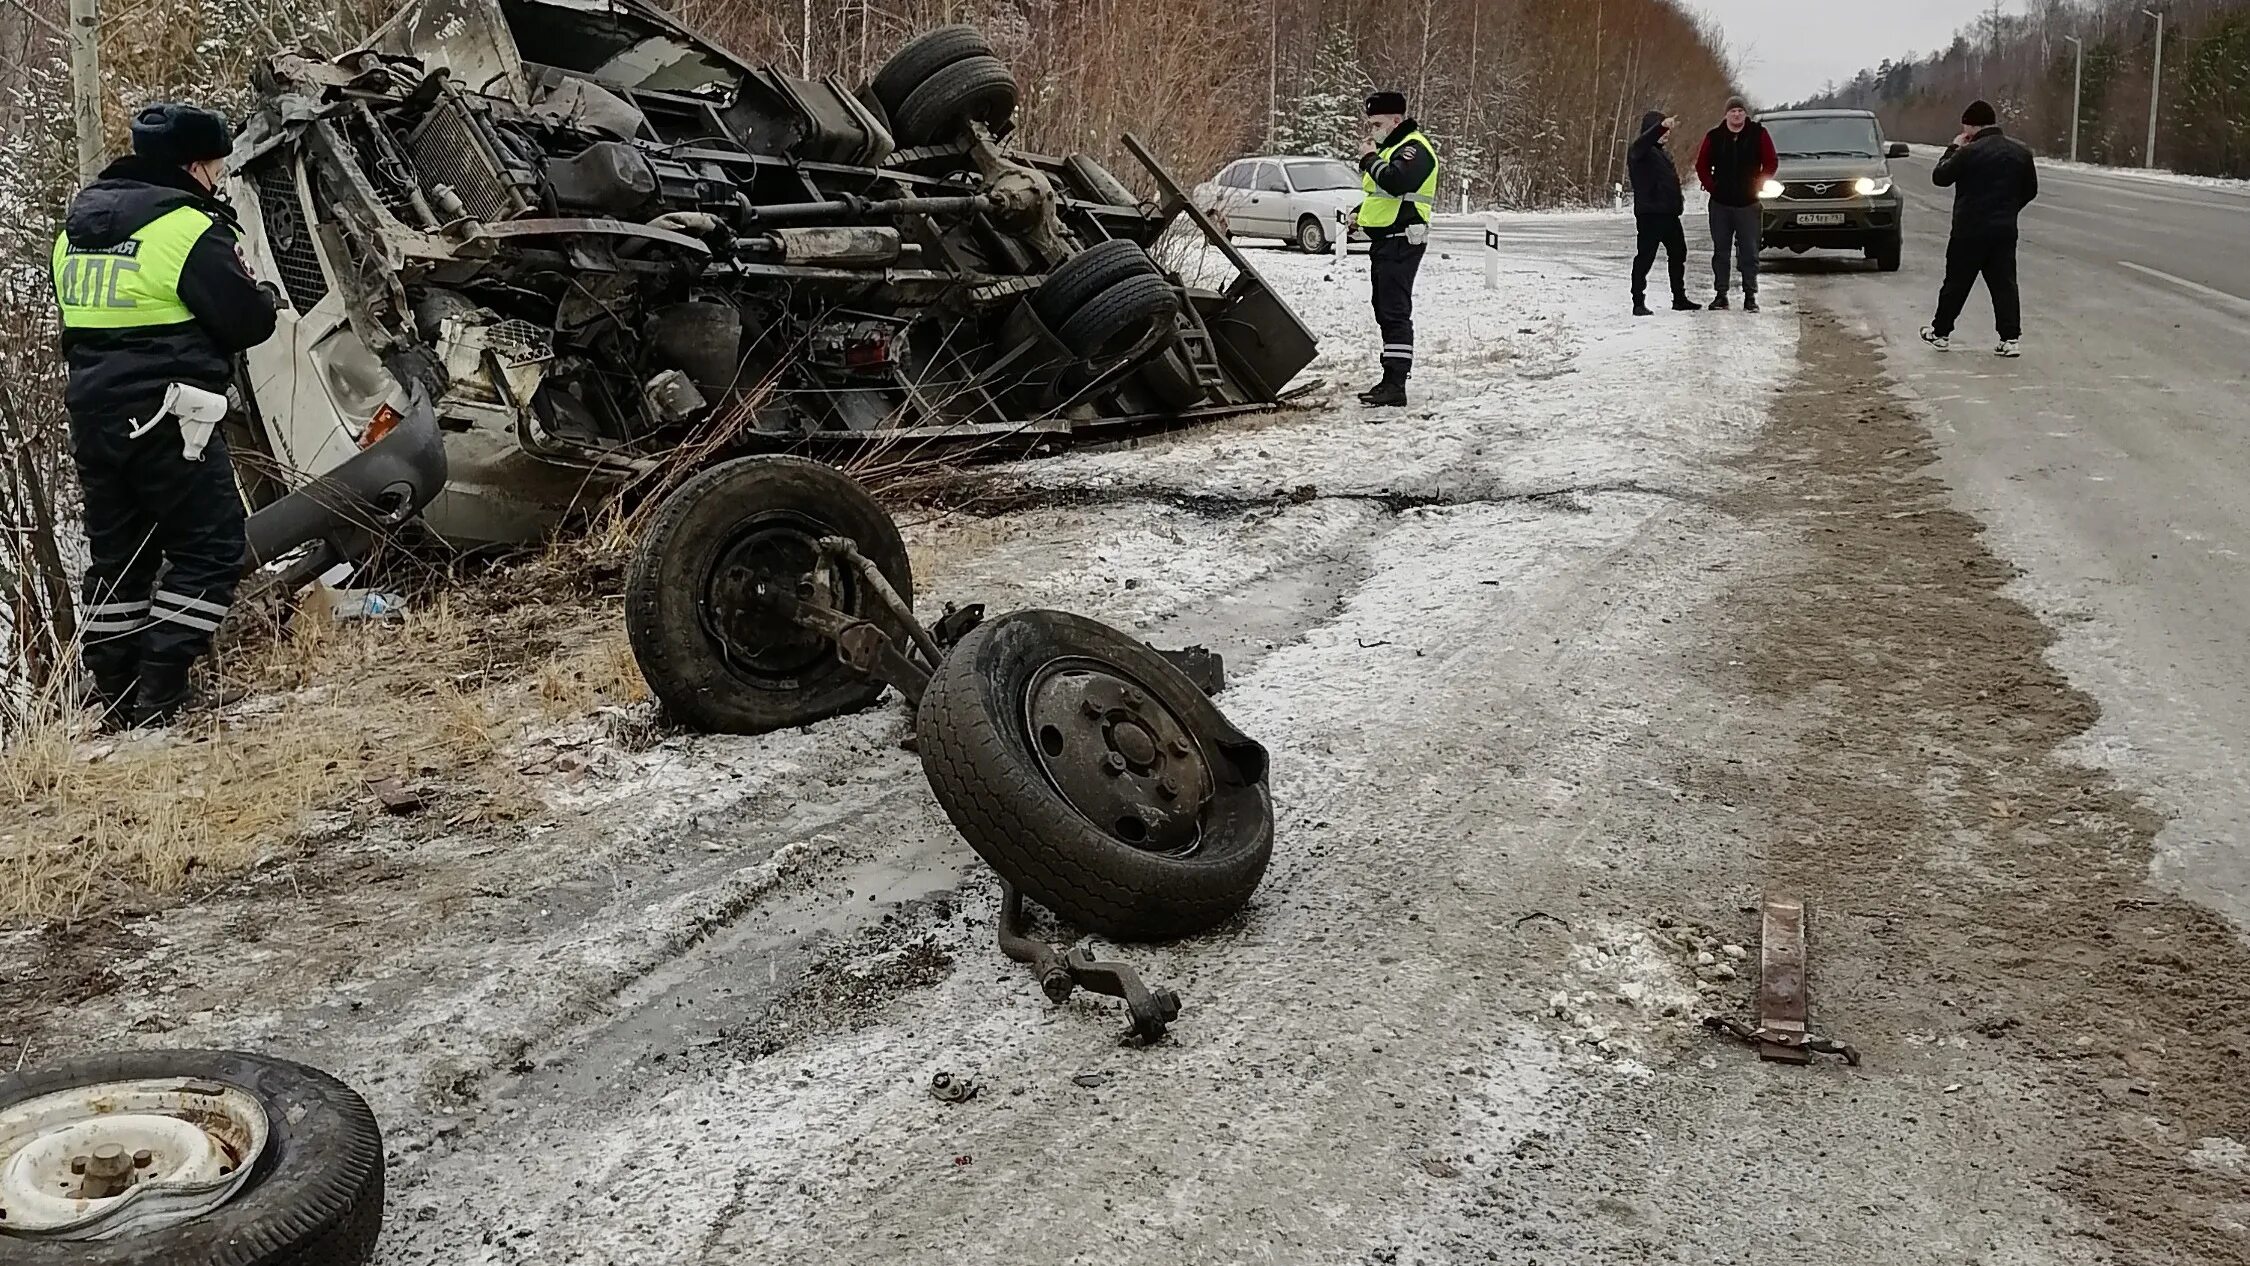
(1392, 265)
(165, 536)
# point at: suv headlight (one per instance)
(1770, 189)
(1869, 186)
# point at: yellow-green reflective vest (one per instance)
(1379, 210)
(130, 284)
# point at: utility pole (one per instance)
(86, 86)
(1273, 71)
(2155, 90)
(2077, 93)
(804, 49)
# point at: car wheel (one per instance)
(1312, 237)
(923, 57)
(1119, 319)
(977, 88)
(189, 1158)
(1092, 774)
(1087, 274)
(1890, 253)
(1097, 181)
(699, 610)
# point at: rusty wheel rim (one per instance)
(1118, 755)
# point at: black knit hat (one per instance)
(171, 132)
(1980, 114)
(1386, 103)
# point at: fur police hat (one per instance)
(1386, 103)
(171, 132)
(1980, 114)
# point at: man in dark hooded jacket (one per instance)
(1657, 207)
(1993, 179)
(154, 293)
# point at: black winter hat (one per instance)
(1980, 114)
(176, 133)
(1386, 103)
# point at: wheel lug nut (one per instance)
(1115, 764)
(143, 1158)
(1179, 747)
(78, 1164)
(1134, 698)
(1090, 708)
(1168, 789)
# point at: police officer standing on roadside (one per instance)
(1399, 178)
(154, 294)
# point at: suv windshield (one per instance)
(1825, 138)
(1310, 177)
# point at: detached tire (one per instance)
(1117, 319)
(979, 88)
(1192, 865)
(712, 654)
(923, 57)
(1084, 276)
(314, 1196)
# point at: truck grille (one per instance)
(450, 149)
(1817, 190)
(289, 235)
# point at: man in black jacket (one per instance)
(1993, 179)
(1657, 207)
(154, 295)
(1734, 163)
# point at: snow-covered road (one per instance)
(1531, 766)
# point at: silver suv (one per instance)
(1834, 190)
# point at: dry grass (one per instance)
(433, 701)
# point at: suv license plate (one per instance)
(1820, 218)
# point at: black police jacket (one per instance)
(126, 372)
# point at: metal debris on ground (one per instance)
(948, 1088)
(1781, 1033)
(1063, 972)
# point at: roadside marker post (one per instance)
(1491, 251)
(1343, 237)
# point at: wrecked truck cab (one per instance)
(598, 242)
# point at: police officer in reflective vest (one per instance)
(1399, 177)
(154, 293)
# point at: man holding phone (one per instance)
(1398, 180)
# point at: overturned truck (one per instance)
(532, 246)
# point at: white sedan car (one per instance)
(1294, 198)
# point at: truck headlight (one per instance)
(1770, 189)
(1869, 186)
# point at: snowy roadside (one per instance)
(712, 984)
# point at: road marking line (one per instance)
(2197, 287)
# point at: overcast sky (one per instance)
(1788, 48)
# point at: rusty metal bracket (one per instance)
(1805, 1044)
(1781, 1033)
(1062, 972)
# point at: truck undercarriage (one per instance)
(593, 239)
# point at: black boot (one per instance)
(1387, 394)
(1681, 303)
(160, 696)
(1749, 303)
(1640, 307)
(1719, 302)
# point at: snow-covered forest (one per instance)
(2026, 65)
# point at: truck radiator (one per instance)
(452, 151)
(289, 234)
